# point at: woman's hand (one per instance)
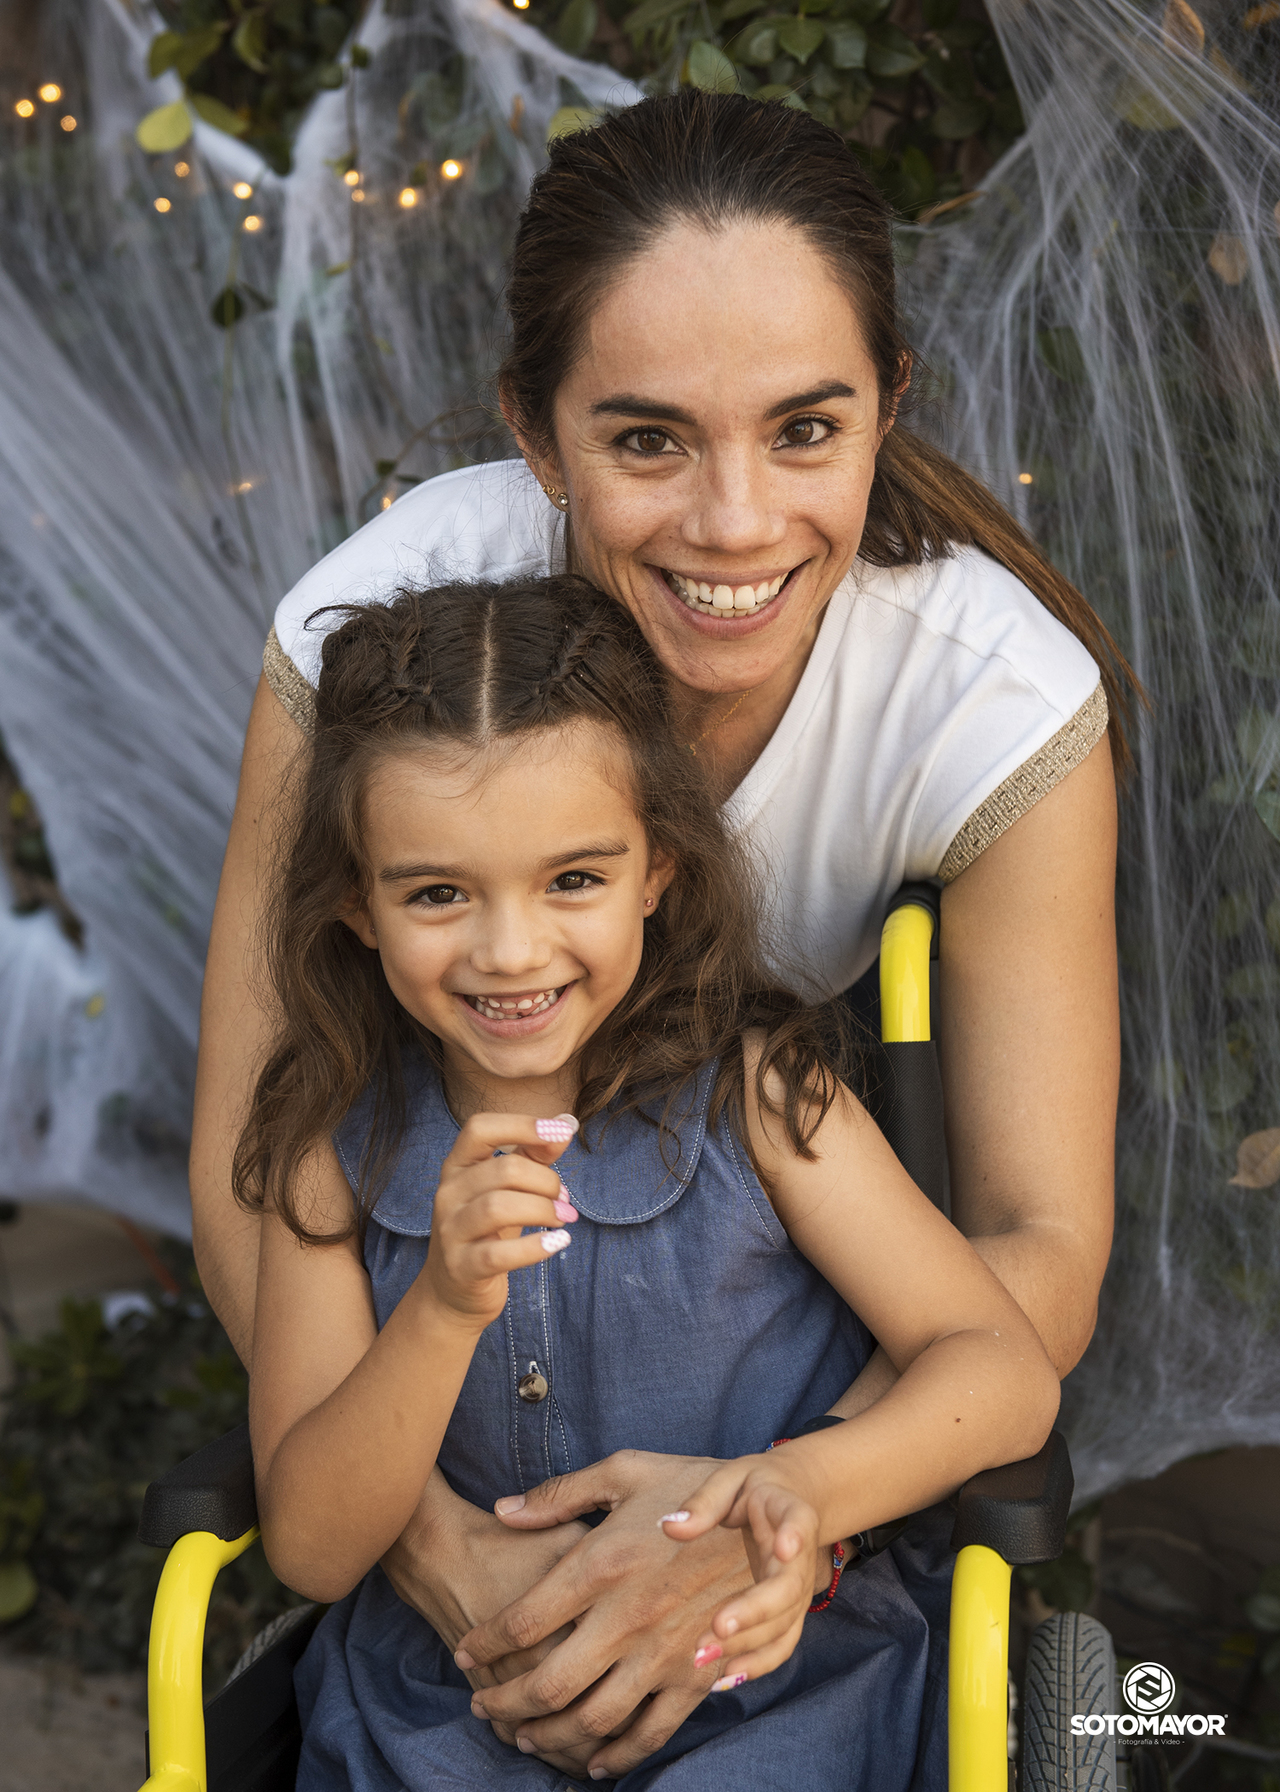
(767, 1497)
(625, 1678)
(482, 1202)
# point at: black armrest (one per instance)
(1020, 1510)
(211, 1491)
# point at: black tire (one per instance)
(1071, 1669)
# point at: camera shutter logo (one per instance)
(1149, 1688)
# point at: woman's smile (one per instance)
(723, 605)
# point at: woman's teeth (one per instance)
(516, 1007)
(725, 600)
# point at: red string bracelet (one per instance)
(837, 1556)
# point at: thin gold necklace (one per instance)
(693, 745)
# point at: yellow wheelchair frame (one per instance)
(204, 1509)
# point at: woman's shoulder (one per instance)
(489, 521)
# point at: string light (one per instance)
(67, 122)
(357, 193)
(162, 205)
(521, 5)
(245, 485)
(242, 190)
(25, 108)
(387, 501)
(50, 92)
(253, 222)
(451, 169)
(1024, 479)
(408, 197)
(352, 177)
(182, 169)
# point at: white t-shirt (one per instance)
(940, 703)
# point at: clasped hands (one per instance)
(607, 1644)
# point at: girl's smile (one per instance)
(518, 1014)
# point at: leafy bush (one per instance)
(95, 1412)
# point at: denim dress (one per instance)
(683, 1320)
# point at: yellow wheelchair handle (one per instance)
(978, 1672)
(175, 1662)
(905, 945)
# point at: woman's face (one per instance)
(717, 438)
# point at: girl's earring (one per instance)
(648, 904)
(561, 499)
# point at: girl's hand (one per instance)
(764, 1497)
(483, 1201)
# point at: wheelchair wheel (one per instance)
(1071, 1670)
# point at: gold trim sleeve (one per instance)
(1023, 789)
(288, 683)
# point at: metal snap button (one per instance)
(534, 1386)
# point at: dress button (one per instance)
(533, 1387)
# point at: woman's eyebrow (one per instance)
(626, 404)
(820, 394)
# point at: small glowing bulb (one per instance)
(253, 222)
(357, 193)
(451, 169)
(242, 190)
(352, 177)
(245, 485)
(182, 169)
(521, 4)
(162, 205)
(67, 122)
(387, 501)
(50, 92)
(408, 197)
(1024, 479)
(24, 108)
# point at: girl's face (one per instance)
(508, 899)
(717, 439)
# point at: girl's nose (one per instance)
(510, 943)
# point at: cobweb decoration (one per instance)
(1102, 320)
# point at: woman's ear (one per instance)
(355, 915)
(890, 417)
(545, 468)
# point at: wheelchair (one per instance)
(247, 1737)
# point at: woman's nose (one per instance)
(734, 509)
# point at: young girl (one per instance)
(553, 1166)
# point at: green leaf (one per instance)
(1228, 1078)
(758, 44)
(197, 47)
(18, 1591)
(577, 26)
(227, 309)
(1006, 114)
(800, 37)
(249, 41)
(711, 69)
(846, 44)
(891, 53)
(652, 12)
(919, 183)
(1254, 983)
(957, 119)
(164, 52)
(168, 127)
(1267, 805)
(938, 13)
(738, 9)
(1060, 351)
(221, 117)
(330, 76)
(359, 56)
(570, 119)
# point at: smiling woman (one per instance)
(881, 676)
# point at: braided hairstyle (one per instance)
(479, 667)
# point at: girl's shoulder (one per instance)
(486, 522)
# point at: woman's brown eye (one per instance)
(650, 441)
(800, 433)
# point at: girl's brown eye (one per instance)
(441, 894)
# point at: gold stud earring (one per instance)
(559, 498)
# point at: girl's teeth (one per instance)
(723, 600)
(515, 1007)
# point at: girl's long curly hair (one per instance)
(480, 667)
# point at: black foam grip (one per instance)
(210, 1491)
(910, 1114)
(1020, 1510)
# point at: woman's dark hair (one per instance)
(723, 159)
(479, 668)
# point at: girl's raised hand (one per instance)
(757, 1631)
(483, 1202)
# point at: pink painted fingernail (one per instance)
(558, 1131)
(463, 1660)
(728, 1683)
(673, 1518)
(564, 1211)
(554, 1241)
(712, 1652)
